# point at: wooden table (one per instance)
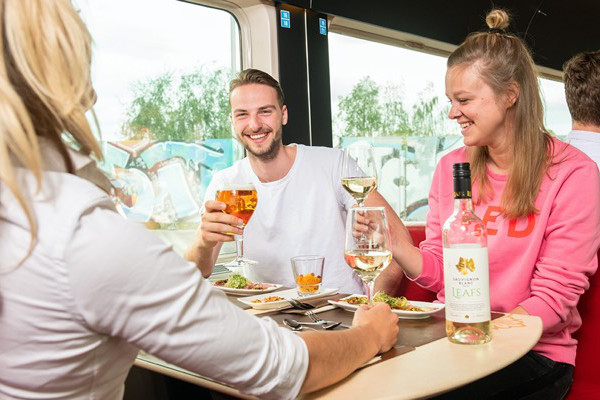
(424, 363)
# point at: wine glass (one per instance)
(241, 202)
(367, 250)
(359, 172)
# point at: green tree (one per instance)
(360, 109)
(395, 120)
(427, 118)
(151, 107)
(194, 106)
(370, 110)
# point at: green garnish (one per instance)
(237, 281)
(393, 302)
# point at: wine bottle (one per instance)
(466, 273)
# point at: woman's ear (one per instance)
(512, 94)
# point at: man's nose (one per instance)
(255, 124)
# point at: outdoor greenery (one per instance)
(195, 106)
(192, 106)
(371, 110)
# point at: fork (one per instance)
(318, 320)
(299, 305)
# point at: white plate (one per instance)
(245, 292)
(286, 294)
(435, 307)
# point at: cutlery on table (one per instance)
(300, 305)
(297, 325)
(323, 322)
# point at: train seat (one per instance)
(408, 288)
(586, 383)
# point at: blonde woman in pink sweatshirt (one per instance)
(538, 197)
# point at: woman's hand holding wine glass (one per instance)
(368, 250)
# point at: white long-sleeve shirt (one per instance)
(97, 288)
(586, 141)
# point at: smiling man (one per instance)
(301, 205)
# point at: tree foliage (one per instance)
(370, 110)
(193, 106)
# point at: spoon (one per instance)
(294, 325)
(297, 326)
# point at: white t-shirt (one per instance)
(586, 141)
(97, 288)
(303, 213)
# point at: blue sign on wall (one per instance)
(323, 26)
(285, 19)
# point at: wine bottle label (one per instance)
(467, 284)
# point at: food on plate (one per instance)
(393, 302)
(238, 281)
(397, 303)
(269, 299)
(308, 283)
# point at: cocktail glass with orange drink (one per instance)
(241, 200)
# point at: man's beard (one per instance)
(271, 152)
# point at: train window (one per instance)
(556, 111)
(394, 98)
(161, 71)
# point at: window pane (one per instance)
(161, 70)
(393, 98)
(556, 111)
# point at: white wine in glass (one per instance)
(367, 250)
(368, 264)
(359, 172)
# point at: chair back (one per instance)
(586, 383)
(408, 288)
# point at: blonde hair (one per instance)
(45, 89)
(502, 61)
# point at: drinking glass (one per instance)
(359, 172)
(367, 250)
(308, 274)
(241, 202)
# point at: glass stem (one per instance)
(369, 289)
(239, 246)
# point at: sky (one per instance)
(135, 40)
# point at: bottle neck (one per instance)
(463, 204)
(462, 193)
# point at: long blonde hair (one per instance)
(45, 89)
(503, 60)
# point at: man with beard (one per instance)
(301, 205)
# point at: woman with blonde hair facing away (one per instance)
(82, 289)
(538, 198)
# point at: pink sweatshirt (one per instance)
(543, 262)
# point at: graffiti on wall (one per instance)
(162, 184)
(405, 166)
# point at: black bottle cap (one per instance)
(461, 172)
